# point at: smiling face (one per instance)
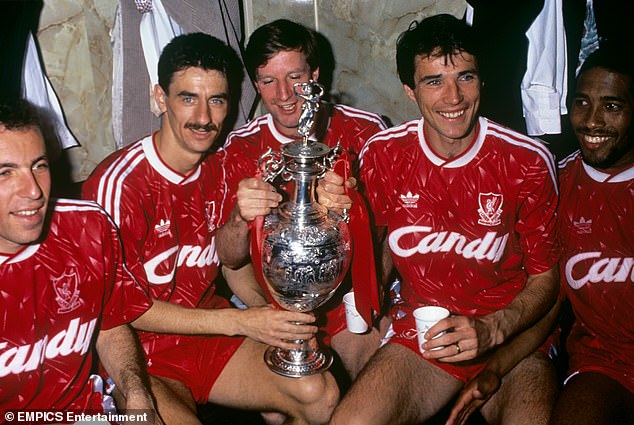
(25, 185)
(601, 117)
(275, 80)
(194, 111)
(447, 91)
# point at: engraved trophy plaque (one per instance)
(306, 251)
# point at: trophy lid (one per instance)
(301, 150)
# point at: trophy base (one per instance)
(297, 363)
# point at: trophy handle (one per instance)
(271, 164)
(331, 158)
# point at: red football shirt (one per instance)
(465, 232)
(54, 298)
(168, 224)
(597, 268)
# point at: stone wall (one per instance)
(74, 37)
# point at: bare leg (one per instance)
(527, 394)
(247, 383)
(174, 401)
(356, 349)
(396, 387)
(594, 399)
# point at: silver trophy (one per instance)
(306, 251)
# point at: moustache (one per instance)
(202, 127)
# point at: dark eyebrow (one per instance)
(468, 71)
(41, 158)
(436, 76)
(429, 77)
(613, 99)
(603, 98)
(186, 93)
(14, 165)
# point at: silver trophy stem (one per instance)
(298, 363)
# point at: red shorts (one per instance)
(603, 363)
(194, 360)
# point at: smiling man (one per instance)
(597, 233)
(63, 283)
(469, 207)
(166, 193)
(280, 54)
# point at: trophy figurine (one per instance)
(305, 251)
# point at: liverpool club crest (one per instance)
(490, 208)
(67, 292)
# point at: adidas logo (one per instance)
(583, 226)
(162, 228)
(409, 200)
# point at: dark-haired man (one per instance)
(278, 55)
(166, 193)
(596, 216)
(66, 295)
(469, 207)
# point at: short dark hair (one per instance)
(203, 51)
(19, 114)
(613, 59)
(280, 35)
(438, 35)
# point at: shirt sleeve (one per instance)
(129, 215)
(376, 180)
(124, 299)
(537, 217)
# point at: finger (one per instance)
(456, 412)
(283, 344)
(351, 183)
(447, 354)
(299, 331)
(332, 177)
(295, 317)
(331, 200)
(464, 415)
(331, 188)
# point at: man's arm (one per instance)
(264, 324)
(254, 198)
(122, 358)
(477, 335)
(243, 284)
(482, 387)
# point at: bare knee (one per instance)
(316, 397)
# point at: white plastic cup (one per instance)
(355, 322)
(426, 317)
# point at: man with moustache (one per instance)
(66, 296)
(166, 193)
